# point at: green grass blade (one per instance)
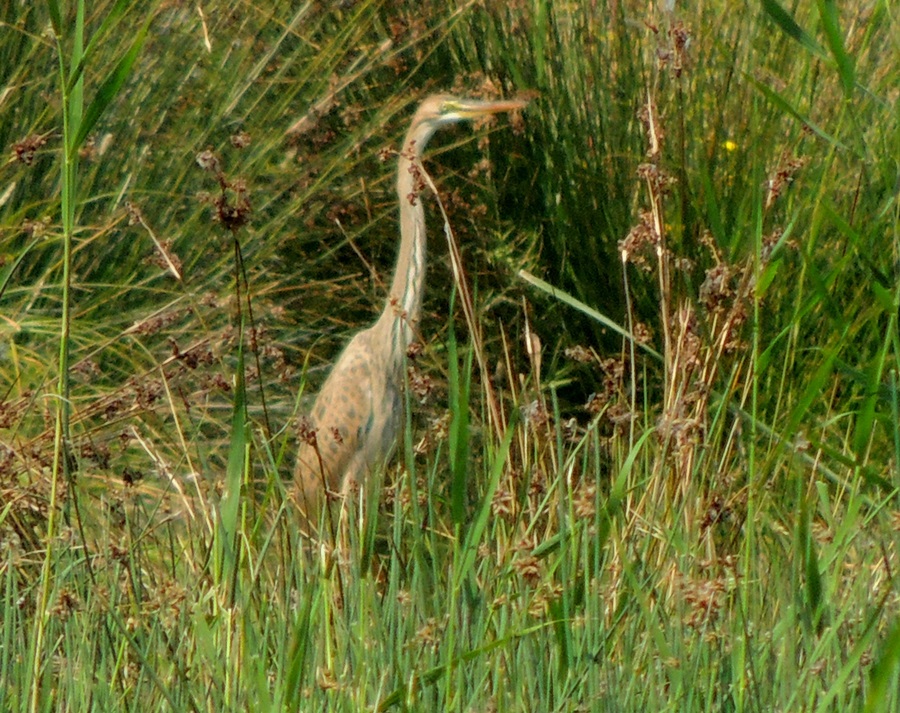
(788, 108)
(234, 478)
(300, 649)
(831, 25)
(459, 385)
(895, 415)
(435, 674)
(811, 393)
(236, 451)
(883, 679)
(55, 16)
(110, 20)
(577, 304)
(9, 270)
(478, 527)
(866, 415)
(74, 91)
(813, 589)
(110, 87)
(851, 661)
(785, 20)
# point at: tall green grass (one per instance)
(702, 516)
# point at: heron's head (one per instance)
(442, 109)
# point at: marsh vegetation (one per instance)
(665, 480)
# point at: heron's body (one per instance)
(357, 413)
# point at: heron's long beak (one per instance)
(473, 108)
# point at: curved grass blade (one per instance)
(785, 20)
(787, 108)
(831, 26)
(584, 309)
(110, 87)
(109, 21)
(473, 536)
(8, 271)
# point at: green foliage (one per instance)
(695, 222)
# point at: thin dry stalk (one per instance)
(462, 286)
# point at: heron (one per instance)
(353, 425)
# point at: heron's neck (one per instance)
(404, 301)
